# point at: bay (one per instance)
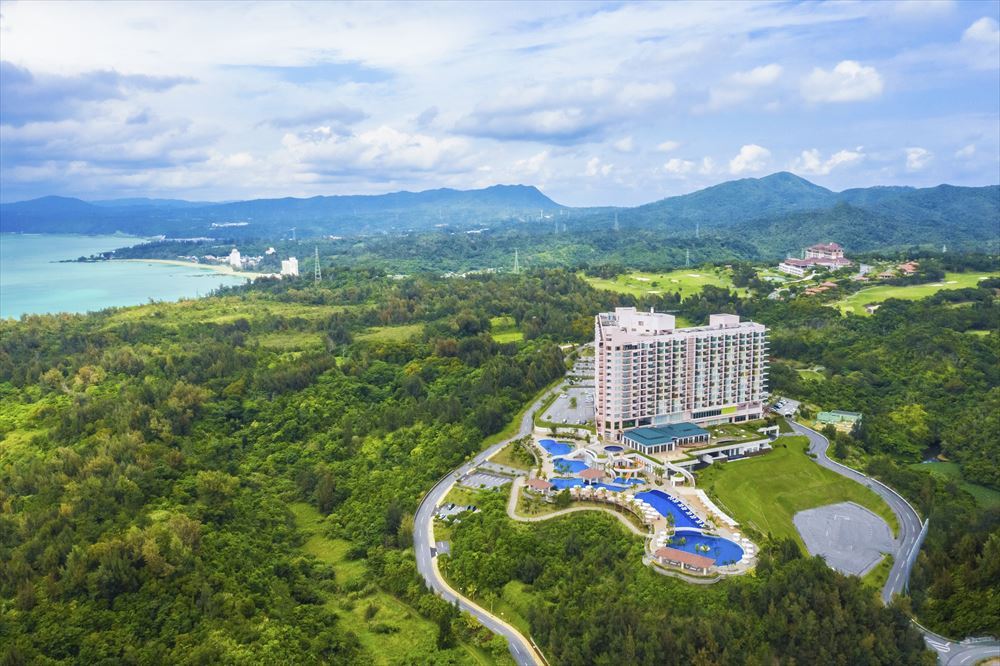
(33, 282)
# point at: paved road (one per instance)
(909, 521)
(520, 648)
(964, 653)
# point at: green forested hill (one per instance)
(232, 480)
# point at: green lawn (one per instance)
(765, 492)
(876, 578)
(687, 281)
(986, 497)
(392, 333)
(856, 302)
(503, 329)
(811, 375)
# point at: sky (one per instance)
(595, 103)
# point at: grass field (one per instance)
(765, 492)
(222, 311)
(876, 578)
(811, 375)
(505, 456)
(414, 634)
(503, 329)
(986, 497)
(290, 340)
(687, 281)
(856, 302)
(392, 333)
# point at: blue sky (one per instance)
(595, 103)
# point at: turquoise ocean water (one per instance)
(31, 282)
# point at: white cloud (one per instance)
(966, 151)
(597, 168)
(625, 145)
(560, 113)
(533, 165)
(751, 159)
(812, 162)
(764, 75)
(849, 81)
(917, 158)
(707, 166)
(678, 167)
(668, 146)
(984, 30)
(741, 86)
(981, 40)
(383, 149)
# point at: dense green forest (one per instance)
(150, 458)
(591, 601)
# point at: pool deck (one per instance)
(594, 455)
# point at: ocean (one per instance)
(32, 282)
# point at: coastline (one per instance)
(225, 269)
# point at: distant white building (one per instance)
(290, 266)
(234, 259)
(269, 251)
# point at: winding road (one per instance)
(521, 649)
(965, 653)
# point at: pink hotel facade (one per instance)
(647, 372)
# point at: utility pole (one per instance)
(517, 265)
(687, 259)
(317, 273)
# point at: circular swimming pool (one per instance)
(723, 551)
(614, 449)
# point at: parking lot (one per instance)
(787, 407)
(563, 411)
(849, 537)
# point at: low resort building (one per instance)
(540, 486)
(681, 559)
(665, 438)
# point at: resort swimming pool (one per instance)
(723, 551)
(555, 448)
(564, 465)
(629, 482)
(614, 448)
(562, 483)
(668, 506)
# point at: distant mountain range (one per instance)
(314, 216)
(781, 211)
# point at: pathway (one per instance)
(514, 515)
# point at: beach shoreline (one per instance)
(225, 269)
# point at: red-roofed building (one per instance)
(825, 251)
(592, 474)
(539, 485)
(909, 268)
(796, 267)
(680, 558)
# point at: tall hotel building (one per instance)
(648, 372)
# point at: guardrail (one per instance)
(911, 557)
